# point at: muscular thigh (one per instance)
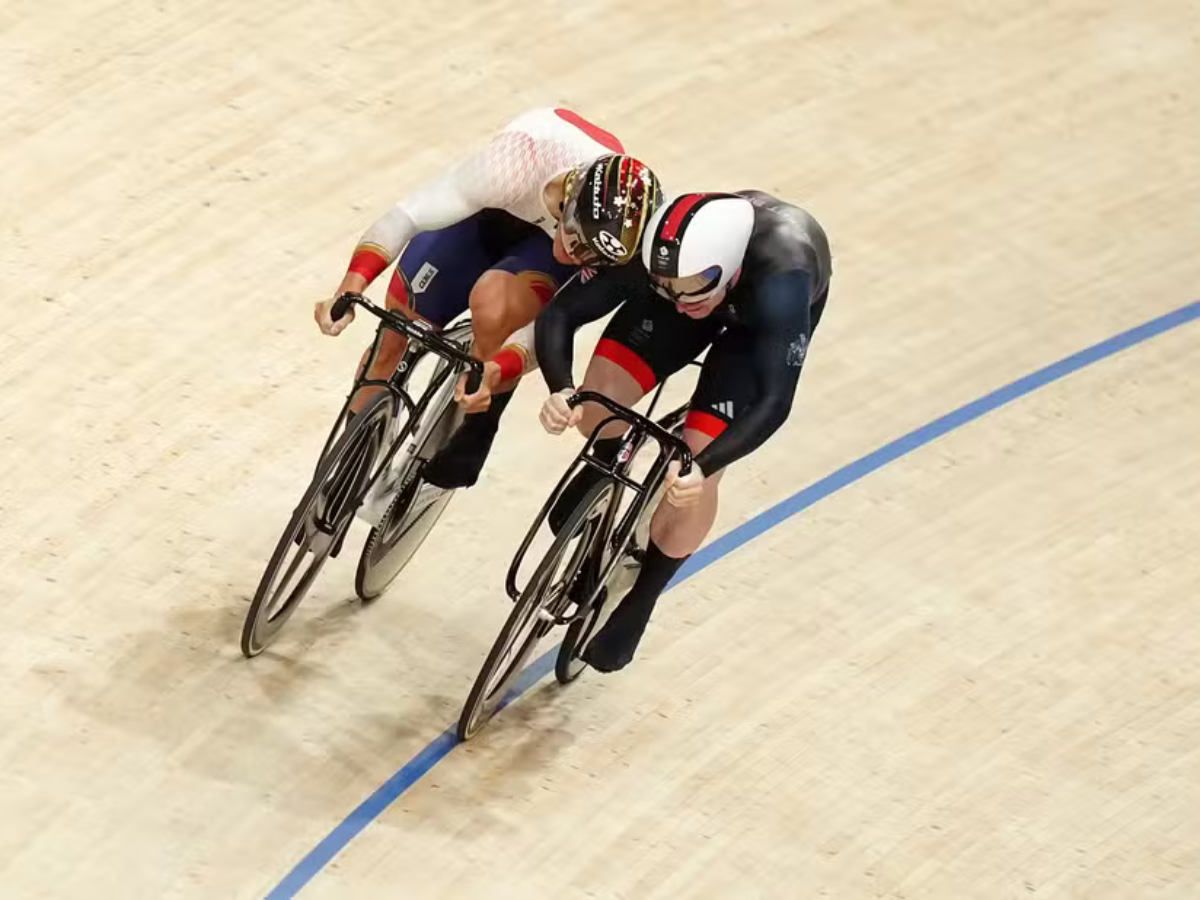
(537, 275)
(441, 268)
(532, 259)
(727, 384)
(651, 341)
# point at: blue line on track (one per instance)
(412, 771)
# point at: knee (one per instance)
(593, 413)
(489, 301)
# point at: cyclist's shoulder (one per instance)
(626, 279)
(565, 126)
(785, 237)
(779, 225)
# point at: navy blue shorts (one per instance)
(442, 266)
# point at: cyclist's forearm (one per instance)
(554, 339)
(777, 355)
(579, 301)
(517, 356)
(381, 243)
(438, 203)
(353, 283)
(747, 433)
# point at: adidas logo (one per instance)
(725, 408)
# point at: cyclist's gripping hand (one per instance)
(482, 398)
(322, 313)
(684, 490)
(556, 417)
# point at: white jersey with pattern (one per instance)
(510, 174)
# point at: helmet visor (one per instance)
(574, 240)
(688, 289)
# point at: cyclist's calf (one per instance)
(384, 363)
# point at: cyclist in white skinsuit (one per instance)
(489, 234)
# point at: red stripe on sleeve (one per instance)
(627, 360)
(706, 423)
(368, 263)
(511, 363)
(599, 135)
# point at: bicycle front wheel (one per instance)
(547, 594)
(568, 665)
(317, 526)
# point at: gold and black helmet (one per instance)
(606, 205)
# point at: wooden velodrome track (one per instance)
(973, 672)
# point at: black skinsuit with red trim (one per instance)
(758, 334)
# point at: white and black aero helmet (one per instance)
(695, 244)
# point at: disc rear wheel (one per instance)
(398, 536)
(404, 526)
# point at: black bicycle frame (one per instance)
(640, 429)
(422, 340)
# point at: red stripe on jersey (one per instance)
(675, 218)
(599, 135)
(627, 360)
(705, 423)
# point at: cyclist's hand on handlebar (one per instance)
(322, 313)
(482, 398)
(684, 490)
(556, 417)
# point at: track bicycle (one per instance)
(593, 559)
(393, 436)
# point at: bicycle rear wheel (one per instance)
(317, 526)
(402, 529)
(546, 595)
(568, 665)
(397, 537)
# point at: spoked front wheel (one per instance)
(547, 594)
(318, 525)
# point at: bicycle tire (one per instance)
(346, 467)
(396, 539)
(393, 542)
(488, 694)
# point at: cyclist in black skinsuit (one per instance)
(745, 274)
